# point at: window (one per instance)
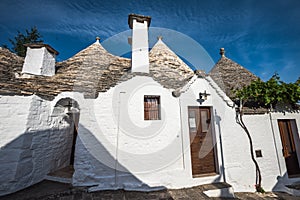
(151, 107)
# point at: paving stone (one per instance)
(178, 194)
(48, 190)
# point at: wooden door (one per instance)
(201, 141)
(288, 136)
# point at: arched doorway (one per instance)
(67, 112)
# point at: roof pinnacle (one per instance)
(159, 37)
(222, 52)
(97, 39)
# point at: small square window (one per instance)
(258, 153)
(151, 107)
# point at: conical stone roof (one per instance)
(167, 68)
(94, 70)
(229, 75)
(90, 71)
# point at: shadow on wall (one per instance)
(100, 169)
(286, 184)
(218, 122)
(280, 184)
(45, 147)
(30, 157)
(27, 159)
(224, 192)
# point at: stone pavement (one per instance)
(49, 190)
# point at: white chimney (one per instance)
(39, 60)
(140, 53)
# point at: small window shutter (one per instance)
(151, 108)
(283, 139)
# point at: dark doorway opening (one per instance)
(75, 117)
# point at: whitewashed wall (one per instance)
(128, 151)
(32, 142)
(157, 153)
(272, 163)
(239, 169)
(14, 113)
(117, 148)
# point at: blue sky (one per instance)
(261, 35)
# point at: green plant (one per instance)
(270, 93)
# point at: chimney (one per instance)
(140, 54)
(39, 60)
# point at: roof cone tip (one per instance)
(159, 37)
(222, 52)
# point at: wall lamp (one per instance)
(203, 95)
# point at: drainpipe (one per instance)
(276, 149)
(181, 131)
(118, 133)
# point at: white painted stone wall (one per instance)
(39, 61)
(32, 142)
(111, 138)
(272, 163)
(234, 161)
(117, 148)
(123, 140)
(239, 169)
(13, 116)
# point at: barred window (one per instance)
(151, 107)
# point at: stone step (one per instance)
(222, 190)
(293, 189)
(63, 175)
(58, 179)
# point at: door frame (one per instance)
(214, 140)
(294, 144)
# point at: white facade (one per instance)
(266, 137)
(117, 148)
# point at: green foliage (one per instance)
(259, 189)
(268, 94)
(32, 36)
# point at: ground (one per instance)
(61, 191)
